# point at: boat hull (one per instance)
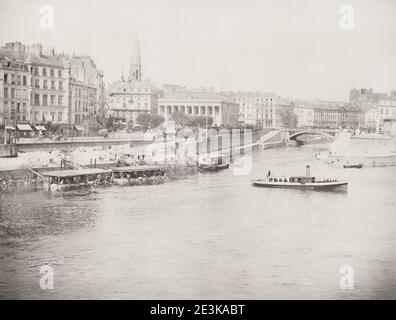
(211, 168)
(303, 186)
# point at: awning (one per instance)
(79, 128)
(38, 128)
(9, 128)
(24, 127)
(47, 118)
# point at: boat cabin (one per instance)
(211, 160)
(135, 172)
(80, 177)
(301, 180)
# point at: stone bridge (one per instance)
(293, 135)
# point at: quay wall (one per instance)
(72, 145)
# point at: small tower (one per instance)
(122, 73)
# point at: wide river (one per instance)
(206, 236)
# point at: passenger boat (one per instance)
(300, 182)
(70, 179)
(215, 163)
(138, 175)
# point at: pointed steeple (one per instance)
(122, 73)
(135, 69)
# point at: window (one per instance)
(45, 100)
(5, 77)
(52, 100)
(60, 99)
(52, 73)
(60, 85)
(44, 72)
(37, 84)
(53, 116)
(24, 81)
(19, 80)
(5, 92)
(59, 73)
(13, 79)
(12, 93)
(45, 85)
(53, 85)
(36, 71)
(60, 116)
(36, 99)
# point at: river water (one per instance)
(208, 236)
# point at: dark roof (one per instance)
(73, 173)
(137, 168)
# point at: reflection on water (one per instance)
(206, 236)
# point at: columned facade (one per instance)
(206, 104)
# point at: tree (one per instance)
(180, 118)
(148, 120)
(201, 121)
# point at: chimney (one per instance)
(308, 171)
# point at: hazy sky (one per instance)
(291, 47)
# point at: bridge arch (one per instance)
(294, 136)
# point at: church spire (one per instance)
(122, 73)
(135, 69)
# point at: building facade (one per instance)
(86, 92)
(50, 77)
(200, 103)
(15, 91)
(40, 87)
(128, 98)
(371, 119)
(304, 116)
(321, 114)
(365, 95)
(386, 111)
(263, 109)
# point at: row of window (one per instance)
(15, 79)
(47, 100)
(388, 111)
(46, 84)
(12, 107)
(36, 116)
(84, 93)
(14, 93)
(52, 116)
(45, 72)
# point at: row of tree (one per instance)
(184, 120)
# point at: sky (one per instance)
(295, 48)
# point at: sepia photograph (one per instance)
(197, 150)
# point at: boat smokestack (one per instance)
(308, 171)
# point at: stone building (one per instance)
(86, 92)
(264, 109)
(200, 103)
(43, 83)
(14, 90)
(50, 79)
(127, 98)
